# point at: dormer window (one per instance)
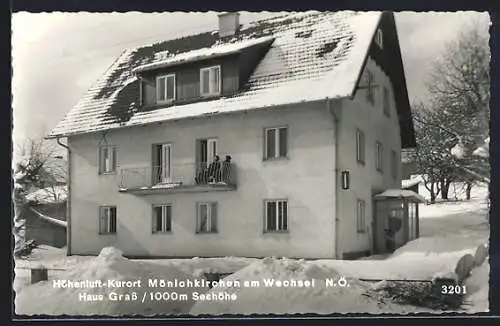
(165, 88)
(379, 38)
(210, 81)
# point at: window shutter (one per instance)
(113, 159)
(100, 160)
(102, 220)
(270, 143)
(168, 227)
(283, 141)
(213, 217)
(160, 89)
(154, 220)
(112, 216)
(197, 224)
(170, 88)
(205, 82)
(285, 215)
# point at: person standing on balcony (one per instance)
(226, 169)
(214, 169)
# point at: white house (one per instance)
(311, 107)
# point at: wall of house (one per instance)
(305, 178)
(365, 180)
(44, 232)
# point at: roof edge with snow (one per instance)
(49, 219)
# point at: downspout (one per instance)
(68, 199)
(335, 120)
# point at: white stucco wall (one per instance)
(305, 179)
(369, 118)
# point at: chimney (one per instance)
(229, 23)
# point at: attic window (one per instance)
(379, 38)
(210, 81)
(165, 88)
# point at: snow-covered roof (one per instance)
(408, 183)
(49, 195)
(313, 56)
(167, 60)
(49, 219)
(400, 194)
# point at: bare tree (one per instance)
(38, 167)
(460, 89)
(457, 119)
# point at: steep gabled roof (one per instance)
(313, 56)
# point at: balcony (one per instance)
(178, 178)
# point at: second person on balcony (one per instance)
(214, 170)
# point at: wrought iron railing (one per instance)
(177, 175)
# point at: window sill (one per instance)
(277, 232)
(201, 233)
(108, 173)
(109, 233)
(161, 233)
(380, 171)
(210, 95)
(361, 163)
(276, 159)
(361, 232)
(169, 102)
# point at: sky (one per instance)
(57, 56)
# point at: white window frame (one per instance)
(158, 90)
(164, 219)
(210, 216)
(370, 87)
(277, 142)
(107, 159)
(387, 102)
(379, 38)
(360, 146)
(379, 156)
(105, 213)
(211, 91)
(279, 226)
(360, 216)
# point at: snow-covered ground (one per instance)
(449, 230)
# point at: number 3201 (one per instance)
(453, 289)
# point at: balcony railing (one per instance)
(189, 177)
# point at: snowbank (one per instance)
(109, 266)
(478, 289)
(274, 299)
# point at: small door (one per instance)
(206, 152)
(162, 163)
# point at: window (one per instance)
(387, 105)
(370, 88)
(360, 216)
(206, 218)
(360, 146)
(107, 159)
(210, 81)
(276, 218)
(379, 38)
(107, 220)
(394, 164)
(379, 154)
(162, 218)
(165, 88)
(275, 143)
